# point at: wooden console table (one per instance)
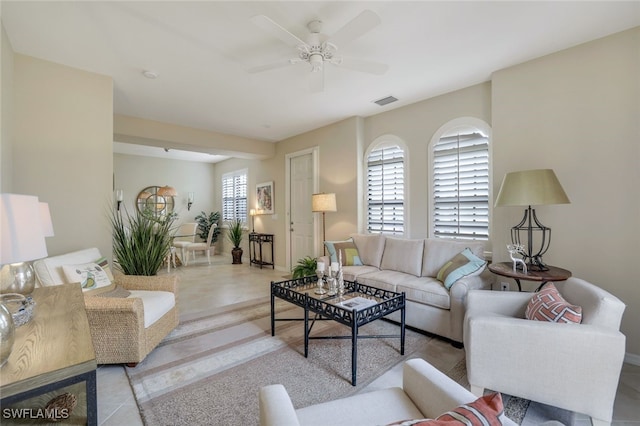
(52, 351)
(258, 240)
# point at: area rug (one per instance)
(210, 368)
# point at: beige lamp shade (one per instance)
(530, 188)
(167, 191)
(21, 232)
(252, 212)
(323, 202)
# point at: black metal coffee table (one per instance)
(375, 303)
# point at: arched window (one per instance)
(460, 180)
(385, 165)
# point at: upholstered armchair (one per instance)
(571, 366)
(426, 393)
(128, 315)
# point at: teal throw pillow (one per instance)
(461, 265)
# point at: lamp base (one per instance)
(18, 278)
(531, 226)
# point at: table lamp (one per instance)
(23, 223)
(527, 188)
(323, 203)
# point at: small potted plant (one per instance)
(235, 236)
(305, 267)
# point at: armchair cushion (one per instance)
(549, 305)
(90, 275)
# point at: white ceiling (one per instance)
(202, 49)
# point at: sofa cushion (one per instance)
(403, 255)
(461, 265)
(370, 248)
(425, 290)
(348, 253)
(438, 251)
(549, 305)
(384, 279)
(351, 273)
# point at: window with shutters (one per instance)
(234, 196)
(385, 208)
(460, 185)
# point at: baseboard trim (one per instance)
(632, 359)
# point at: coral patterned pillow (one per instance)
(549, 305)
(484, 411)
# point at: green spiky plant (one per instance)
(235, 232)
(305, 267)
(141, 242)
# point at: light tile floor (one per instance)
(204, 286)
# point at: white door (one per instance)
(301, 223)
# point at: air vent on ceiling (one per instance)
(385, 101)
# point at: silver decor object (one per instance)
(7, 334)
(20, 307)
(517, 249)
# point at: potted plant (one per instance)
(235, 236)
(305, 267)
(141, 242)
(205, 221)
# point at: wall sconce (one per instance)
(190, 199)
(119, 198)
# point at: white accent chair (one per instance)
(185, 235)
(575, 367)
(204, 247)
(426, 393)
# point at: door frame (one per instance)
(315, 161)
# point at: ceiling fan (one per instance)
(318, 49)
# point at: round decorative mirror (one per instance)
(150, 202)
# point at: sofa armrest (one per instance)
(276, 408)
(156, 282)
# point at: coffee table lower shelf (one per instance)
(300, 292)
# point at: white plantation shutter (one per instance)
(461, 187)
(385, 190)
(234, 196)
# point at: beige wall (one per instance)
(578, 112)
(63, 150)
(6, 113)
(133, 173)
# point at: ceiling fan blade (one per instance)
(316, 84)
(364, 66)
(276, 30)
(279, 64)
(358, 26)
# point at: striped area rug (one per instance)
(209, 369)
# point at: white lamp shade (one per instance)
(21, 233)
(45, 216)
(531, 188)
(323, 202)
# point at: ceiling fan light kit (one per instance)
(316, 52)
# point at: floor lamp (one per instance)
(323, 203)
(528, 188)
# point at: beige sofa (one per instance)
(410, 266)
(123, 329)
(426, 393)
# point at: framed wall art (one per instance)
(264, 198)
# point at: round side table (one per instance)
(554, 273)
